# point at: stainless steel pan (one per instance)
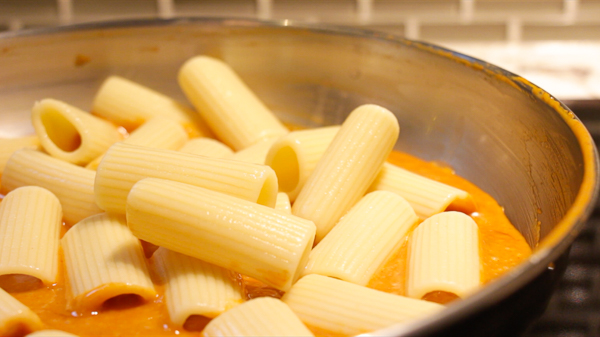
(494, 128)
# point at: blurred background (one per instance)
(553, 43)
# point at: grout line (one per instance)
(364, 9)
(570, 9)
(166, 9)
(514, 30)
(65, 11)
(264, 9)
(412, 28)
(466, 10)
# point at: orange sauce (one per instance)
(502, 247)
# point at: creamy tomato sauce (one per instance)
(501, 245)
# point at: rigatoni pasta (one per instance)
(283, 203)
(104, 260)
(123, 165)
(130, 104)
(71, 134)
(9, 145)
(229, 107)
(195, 287)
(443, 256)
(295, 156)
(256, 153)
(353, 158)
(233, 233)
(426, 196)
(263, 316)
(207, 147)
(15, 317)
(340, 308)
(363, 239)
(71, 184)
(220, 249)
(30, 222)
(159, 132)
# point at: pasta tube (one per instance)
(364, 239)
(104, 260)
(229, 107)
(70, 134)
(207, 147)
(295, 156)
(130, 104)
(283, 203)
(232, 233)
(264, 316)
(30, 222)
(50, 333)
(15, 317)
(348, 167)
(159, 133)
(124, 165)
(336, 307)
(71, 184)
(443, 256)
(8, 146)
(195, 287)
(256, 153)
(426, 196)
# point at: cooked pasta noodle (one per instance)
(104, 260)
(124, 165)
(444, 256)
(354, 158)
(233, 233)
(71, 184)
(71, 134)
(30, 222)
(231, 109)
(130, 104)
(263, 316)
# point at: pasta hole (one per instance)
(18, 283)
(441, 297)
(122, 302)
(61, 131)
(268, 192)
(285, 164)
(196, 323)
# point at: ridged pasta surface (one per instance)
(124, 165)
(30, 222)
(207, 147)
(229, 107)
(9, 145)
(295, 156)
(363, 240)
(71, 134)
(71, 184)
(263, 316)
(348, 167)
(426, 196)
(103, 260)
(15, 316)
(130, 104)
(444, 256)
(235, 234)
(195, 287)
(337, 307)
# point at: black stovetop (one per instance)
(574, 309)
